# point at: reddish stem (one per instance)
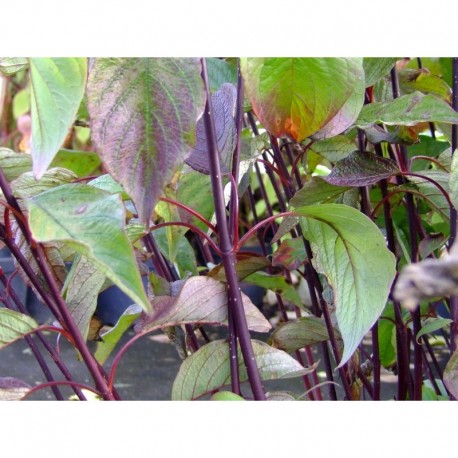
(191, 211)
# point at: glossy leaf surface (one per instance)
(57, 88)
(351, 251)
(291, 96)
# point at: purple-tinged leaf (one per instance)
(246, 264)
(198, 300)
(290, 254)
(223, 106)
(57, 88)
(361, 168)
(143, 114)
(13, 389)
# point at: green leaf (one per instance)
(300, 333)
(57, 88)
(14, 164)
(92, 222)
(208, 368)
(178, 247)
(430, 192)
(226, 396)
(453, 181)
(450, 375)
(430, 244)
(21, 103)
(422, 80)
(11, 65)
(13, 326)
(220, 71)
(347, 115)
(82, 287)
(112, 337)
(387, 337)
(27, 186)
(150, 107)
(13, 389)
(199, 300)
(276, 283)
(315, 191)
(428, 392)
(106, 183)
(428, 147)
(431, 325)
(195, 191)
(351, 251)
(375, 68)
(334, 149)
(361, 168)
(291, 96)
(83, 163)
(407, 111)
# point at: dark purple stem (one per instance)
(227, 254)
(37, 354)
(413, 235)
(54, 300)
(402, 350)
(453, 219)
(59, 363)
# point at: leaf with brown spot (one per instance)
(292, 96)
